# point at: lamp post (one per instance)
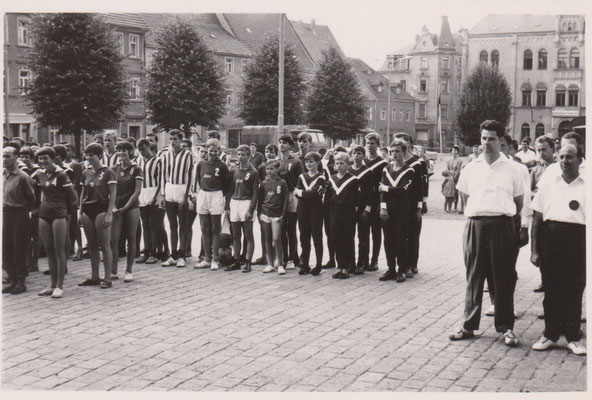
(388, 103)
(281, 80)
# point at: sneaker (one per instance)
(214, 266)
(401, 277)
(235, 266)
(316, 270)
(46, 292)
(544, 344)
(90, 282)
(57, 293)
(128, 277)
(290, 265)
(19, 288)
(142, 259)
(372, 267)
(577, 348)
(169, 263)
(151, 260)
(268, 268)
(344, 275)
(181, 263)
(414, 270)
(389, 275)
(46, 272)
(461, 333)
(490, 312)
(202, 264)
(510, 339)
(281, 270)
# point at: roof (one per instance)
(253, 29)
(445, 39)
(316, 38)
(216, 38)
(126, 20)
(369, 78)
(517, 23)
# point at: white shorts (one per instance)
(269, 220)
(239, 210)
(292, 202)
(209, 202)
(174, 193)
(146, 196)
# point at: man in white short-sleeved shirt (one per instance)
(493, 190)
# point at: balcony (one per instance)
(566, 112)
(567, 74)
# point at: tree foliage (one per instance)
(259, 92)
(185, 85)
(335, 104)
(484, 95)
(78, 79)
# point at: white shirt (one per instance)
(491, 188)
(554, 170)
(554, 197)
(527, 156)
(526, 213)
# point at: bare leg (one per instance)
(60, 232)
(90, 231)
(46, 234)
(132, 217)
(216, 228)
(104, 236)
(116, 227)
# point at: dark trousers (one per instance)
(490, 246)
(15, 234)
(150, 216)
(342, 230)
(328, 232)
(396, 231)
(563, 267)
(290, 238)
(375, 228)
(33, 242)
(415, 223)
(363, 238)
(310, 223)
(178, 220)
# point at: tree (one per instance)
(259, 93)
(78, 79)
(484, 95)
(185, 85)
(335, 104)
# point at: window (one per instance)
(445, 62)
(560, 92)
(379, 88)
(134, 46)
(390, 63)
(119, 41)
(526, 95)
(370, 113)
(244, 62)
(562, 59)
(525, 131)
(401, 114)
(134, 89)
(573, 97)
(422, 110)
(539, 130)
(24, 34)
(444, 111)
(405, 63)
(394, 114)
(542, 59)
(424, 63)
(423, 86)
(574, 58)
(229, 66)
(408, 114)
(541, 99)
(229, 94)
(527, 60)
(495, 59)
(444, 85)
(569, 28)
(483, 57)
(24, 80)
(383, 114)
(563, 128)
(403, 85)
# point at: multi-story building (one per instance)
(384, 118)
(542, 58)
(430, 70)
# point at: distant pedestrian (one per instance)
(448, 189)
(454, 166)
(255, 158)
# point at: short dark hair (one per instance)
(26, 150)
(574, 135)
(33, 144)
(94, 149)
(177, 133)
(124, 145)
(273, 147)
(339, 148)
(286, 138)
(14, 144)
(506, 137)
(143, 142)
(455, 147)
(153, 134)
(545, 139)
(272, 163)
(313, 155)
(188, 142)
(358, 148)
(253, 144)
(405, 136)
(400, 142)
(60, 150)
(20, 139)
(69, 147)
(514, 143)
(47, 151)
(132, 140)
(304, 136)
(493, 125)
(243, 147)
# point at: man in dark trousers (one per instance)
(559, 249)
(19, 199)
(493, 190)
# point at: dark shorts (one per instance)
(92, 210)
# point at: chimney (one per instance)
(312, 22)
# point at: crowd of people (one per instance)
(123, 190)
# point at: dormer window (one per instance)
(379, 88)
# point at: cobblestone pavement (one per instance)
(186, 329)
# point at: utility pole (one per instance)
(281, 82)
(388, 107)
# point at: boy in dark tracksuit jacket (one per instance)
(341, 196)
(366, 186)
(309, 190)
(397, 181)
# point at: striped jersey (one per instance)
(152, 171)
(177, 167)
(110, 160)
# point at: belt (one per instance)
(490, 217)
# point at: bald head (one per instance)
(570, 160)
(9, 157)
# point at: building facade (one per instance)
(542, 58)
(430, 70)
(384, 116)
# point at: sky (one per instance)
(365, 29)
